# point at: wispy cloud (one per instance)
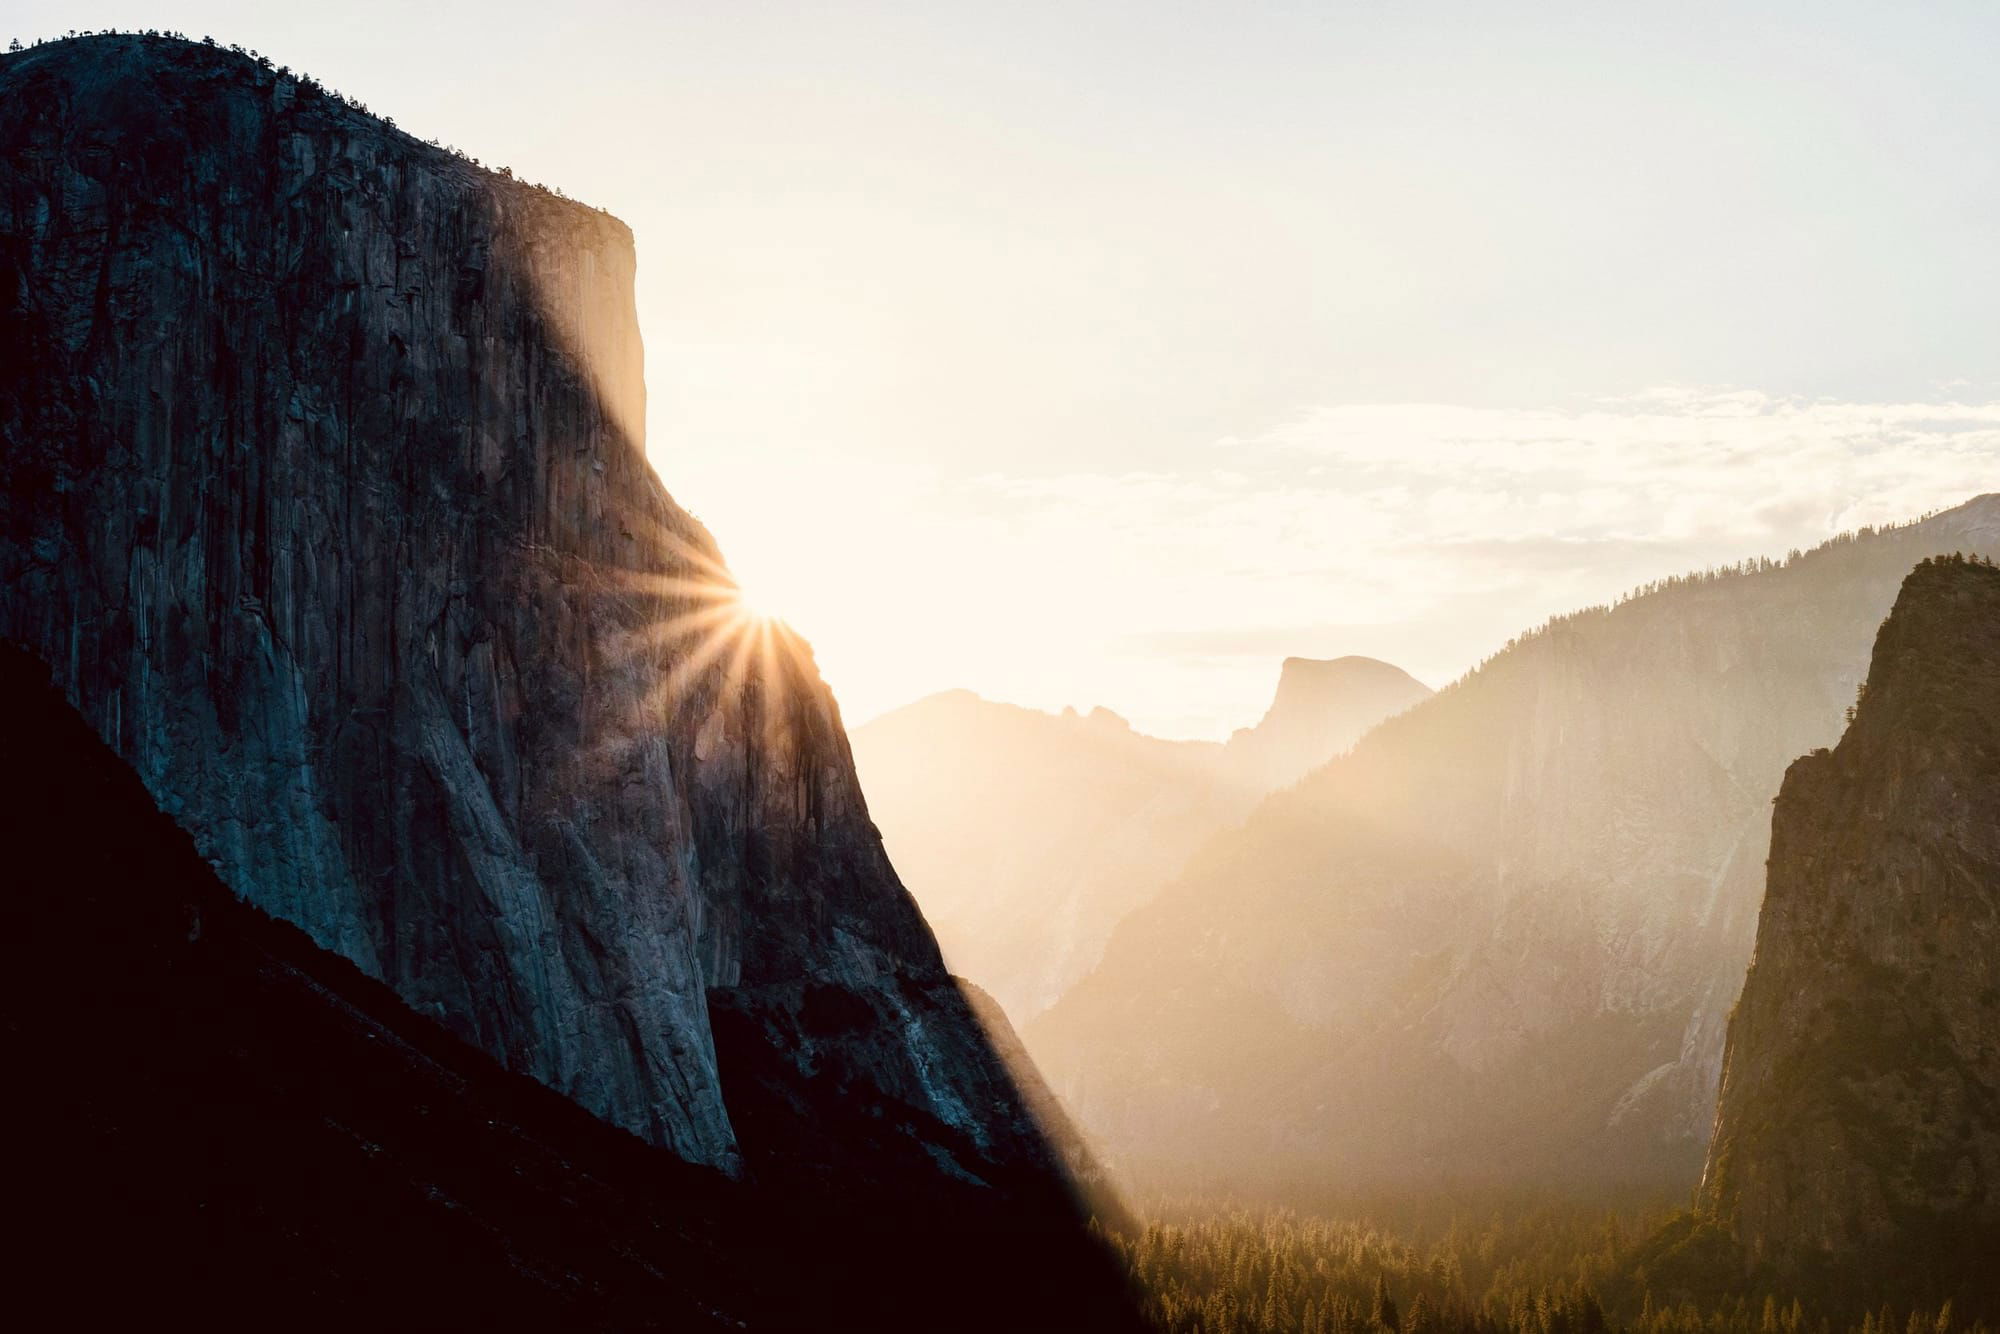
(1670, 463)
(1426, 534)
(1429, 533)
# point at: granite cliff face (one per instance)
(1499, 939)
(326, 501)
(213, 1114)
(1027, 837)
(1858, 1133)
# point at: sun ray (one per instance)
(735, 674)
(689, 645)
(771, 671)
(680, 678)
(703, 621)
(707, 638)
(700, 589)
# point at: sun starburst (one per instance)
(713, 643)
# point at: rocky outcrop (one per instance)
(326, 500)
(211, 1114)
(1028, 836)
(1858, 1133)
(1498, 940)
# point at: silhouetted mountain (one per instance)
(1857, 1143)
(1322, 707)
(212, 1119)
(1498, 941)
(1027, 836)
(326, 501)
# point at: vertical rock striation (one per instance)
(326, 501)
(1858, 1135)
(226, 1118)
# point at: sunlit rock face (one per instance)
(1859, 1126)
(1027, 837)
(326, 502)
(1499, 940)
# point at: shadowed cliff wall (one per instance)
(324, 499)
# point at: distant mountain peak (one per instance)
(1028, 835)
(1321, 707)
(1346, 662)
(1103, 717)
(1308, 680)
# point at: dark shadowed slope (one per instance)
(1857, 1144)
(1499, 940)
(325, 500)
(1028, 836)
(212, 1119)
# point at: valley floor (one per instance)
(1496, 1266)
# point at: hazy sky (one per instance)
(1105, 353)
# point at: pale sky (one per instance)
(1106, 354)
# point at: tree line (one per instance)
(306, 86)
(1232, 1269)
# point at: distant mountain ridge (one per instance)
(1026, 836)
(1498, 940)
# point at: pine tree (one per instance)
(1382, 1312)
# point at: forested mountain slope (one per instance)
(1499, 940)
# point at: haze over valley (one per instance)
(1219, 672)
